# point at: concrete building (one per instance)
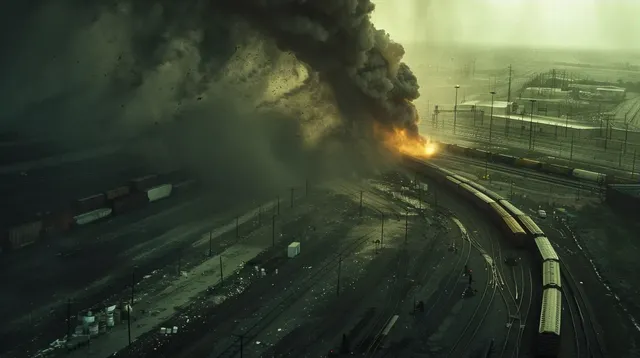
(499, 107)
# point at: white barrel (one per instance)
(163, 330)
(175, 329)
(110, 321)
(88, 318)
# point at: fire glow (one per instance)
(415, 146)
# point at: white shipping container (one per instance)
(92, 216)
(24, 235)
(159, 192)
(293, 250)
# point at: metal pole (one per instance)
(531, 126)
(626, 136)
(133, 280)
(509, 90)
(69, 318)
(633, 166)
(278, 204)
(360, 209)
(571, 152)
(491, 119)
(339, 273)
(620, 157)
(210, 247)
(382, 230)
(221, 272)
(406, 226)
(455, 110)
(292, 189)
(273, 230)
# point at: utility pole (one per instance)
(273, 230)
(531, 125)
(241, 338)
(509, 90)
(221, 272)
(292, 189)
(210, 245)
(406, 226)
(493, 93)
(339, 273)
(626, 136)
(620, 157)
(382, 230)
(68, 318)
(455, 110)
(133, 284)
(278, 204)
(633, 166)
(571, 152)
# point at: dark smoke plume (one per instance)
(337, 38)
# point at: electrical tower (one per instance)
(509, 91)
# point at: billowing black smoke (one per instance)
(337, 38)
(201, 76)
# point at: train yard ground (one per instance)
(598, 249)
(295, 309)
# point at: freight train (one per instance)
(135, 194)
(547, 168)
(522, 232)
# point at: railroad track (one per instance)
(479, 314)
(593, 346)
(306, 283)
(529, 174)
(528, 310)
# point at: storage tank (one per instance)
(589, 176)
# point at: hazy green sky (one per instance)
(595, 24)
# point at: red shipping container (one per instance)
(90, 203)
(58, 222)
(117, 192)
(129, 203)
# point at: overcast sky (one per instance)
(585, 24)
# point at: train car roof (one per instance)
(454, 180)
(461, 178)
(499, 209)
(484, 198)
(551, 311)
(513, 225)
(546, 250)
(511, 208)
(530, 225)
(551, 274)
(469, 188)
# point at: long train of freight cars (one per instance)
(547, 168)
(522, 232)
(116, 201)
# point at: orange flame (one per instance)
(398, 140)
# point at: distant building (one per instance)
(499, 107)
(611, 93)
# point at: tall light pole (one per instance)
(493, 93)
(455, 110)
(531, 125)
